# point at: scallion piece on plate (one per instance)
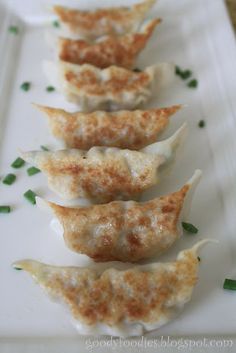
(13, 29)
(17, 268)
(56, 24)
(50, 88)
(44, 148)
(5, 209)
(18, 163)
(201, 123)
(25, 86)
(9, 179)
(185, 74)
(30, 196)
(190, 228)
(229, 284)
(199, 259)
(178, 71)
(32, 171)
(193, 83)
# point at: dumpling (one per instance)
(121, 51)
(111, 50)
(107, 21)
(113, 88)
(104, 174)
(124, 129)
(124, 230)
(121, 303)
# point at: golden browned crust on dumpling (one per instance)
(119, 51)
(103, 179)
(119, 79)
(105, 174)
(107, 21)
(134, 295)
(89, 19)
(112, 88)
(124, 129)
(121, 231)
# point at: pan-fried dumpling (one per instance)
(113, 88)
(121, 51)
(107, 21)
(124, 129)
(124, 230)
(104, 174)
(121, 303)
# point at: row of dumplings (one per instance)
(97, 71)
(112, 157)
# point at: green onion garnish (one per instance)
(18, 163)
(9, 179)
(201, 123)
(137, 70)
(30, 196)
(25, 86)
(178, 71)
(193, 83)
(190, 228)
(185, 74)
(17, 268)
(229, 284)
(33, 170)
(5, 209)
(44, 148)
(13, 29)
(50, 88)
(199, 259)
(56, 24)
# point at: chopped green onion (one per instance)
(17, 268)
(229, 284)
(193, 83)
(33, 170)
(137, 70)
(44, 148)
(18, 163)
(178, 71)
(190, 228)
(199, 259)
(201, 123)
(50, 88)
(5, 209)
(13, 29)
(30, 196)
(185, 74)
(56, 24)
(9, 179)
(25, 86)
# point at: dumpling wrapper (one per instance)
(124, 129)
(104, 174)
(121, 303)
(75, 23)
(113, 88)
(110, 50)
(124, 231)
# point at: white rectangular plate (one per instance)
(195, 35)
